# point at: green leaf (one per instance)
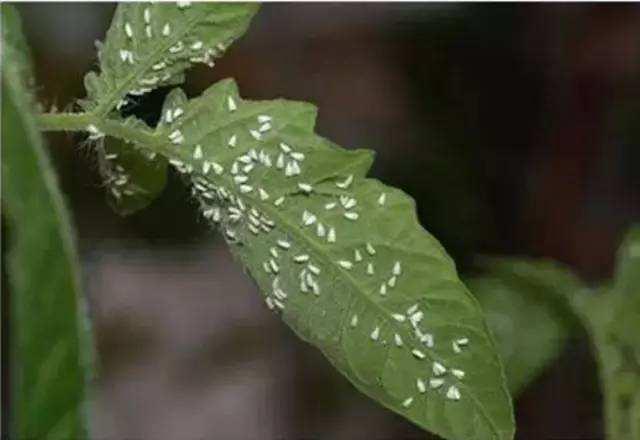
(627, 278)
(49, 344)
(513, 291)
(151, 45)
(612, 318)
(133, 179)
(343, 259)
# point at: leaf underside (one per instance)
(341, 257)
(149, 46)
(49, 344)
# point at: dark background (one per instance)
(514, 126)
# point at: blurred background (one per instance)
(514, 126)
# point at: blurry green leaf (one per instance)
(342, 259)
(612, 317)
(49, 349)
(627, 278)
(150, 45)
(514, 291)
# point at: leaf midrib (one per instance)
(169, 150)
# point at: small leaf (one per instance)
(513, 291)
(342, 259)
(49, 347)
(150, 45)
(133, 178)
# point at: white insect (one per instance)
(453, 393)
(331, 236)
(232, 141)
(370, 249)
(438, 369)
(436, 383)
(231, 104)
(166, 30)
(345, 184)
(308, 218)
(397, 268)
(370, 270)
(346, 264)
(128, 30)
(375, 334)
(417, 353)
(382, 199)
(458, 373)
(354, 321)
(398, 317)
(420, 385)
(263, 194)
(353, 216)
(407, 402)
(398, 340)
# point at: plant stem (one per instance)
(81, 121)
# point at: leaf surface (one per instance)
(342, 258)
(150, 45)
(49, 341)
(133, 179)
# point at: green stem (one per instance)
(110, 127)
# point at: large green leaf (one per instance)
(150, 45)
(49, 350)
(342, 258)
(513, 291)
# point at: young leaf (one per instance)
(343, 259)
(150, 45)
(512, 291)
(49, 344)
(133, 179)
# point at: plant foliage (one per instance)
(339, 256)
(49, 341)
